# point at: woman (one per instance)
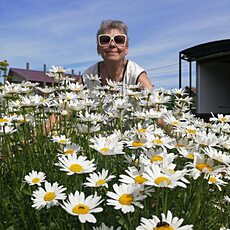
(112, 45)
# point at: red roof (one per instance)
(33, 75)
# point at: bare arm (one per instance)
(145, 82)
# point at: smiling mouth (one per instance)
(111, 52)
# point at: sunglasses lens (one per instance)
(104, 40)
(120, 39)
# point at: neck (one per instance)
(113, 70)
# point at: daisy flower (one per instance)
(76, 87)
(153, 114)
(135, 176)
(99, 179)
(220, 118)
(187, 153)
(82, 128)
(113, 84)
(140, 129)
(73, 164)
(204, 139)
(173, 121)
(125, 197)
(155, 141)
(183, 102)
(110, 145)
(48, 196)
(46, 89)
(83, 207)
(180, 92)
(190, 131)
(63, 140)
(121, 104)
(91, 117)
(5, 121)
(156, 177)
(224, 142)
(29, 84)
(35, 177)
(31, 101)
(57, 69)
(76, 105)
(201, 164)
(92, 81)
(157, 156)
(215, 179)
(70, 149)
(219, 156)
(182, 143)
(167, 222)
(68, 96)
(136, 143)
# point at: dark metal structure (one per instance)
(198, 52)
(212, 66)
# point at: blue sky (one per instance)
(58, 32)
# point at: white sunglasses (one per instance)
(105, 39)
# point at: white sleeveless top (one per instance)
(131, 73)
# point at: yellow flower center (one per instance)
(192, 131)
(141, 131)
(49, 196)
(75, 168)
(212, 180)
(190, 156)
(104, 150)
(201, 166)
(223, 119)
(100, 182)
(80, 209)
(156, 158)
(137, 144)
(63, 141)
(69, 151)
(36, 180)
(158, 141)
(140, 179)
(164, 228)
(3, 120)
(126, 199)
(162, 179)
(175, 123)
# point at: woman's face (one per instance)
(113, 52)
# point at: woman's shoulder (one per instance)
(134, 69)
(134, 66)
(93, 69)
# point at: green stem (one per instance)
(130, 221)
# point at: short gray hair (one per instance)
(112, 24)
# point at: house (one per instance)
(16, 75)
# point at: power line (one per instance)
(161, 67)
